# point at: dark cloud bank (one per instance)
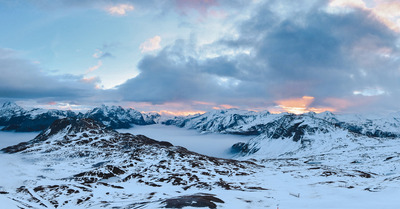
(21, 79)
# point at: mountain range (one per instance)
(79, 160)
(14, 117)
(264, 126)
(304, 128)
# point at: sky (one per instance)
(191, 56)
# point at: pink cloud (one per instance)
(151, 44)
(89, 80)
(52, 103)
(119, 9)
(95, 67)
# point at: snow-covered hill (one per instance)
(81, 163)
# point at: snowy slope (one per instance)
(81, 163)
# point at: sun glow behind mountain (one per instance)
(300, 106)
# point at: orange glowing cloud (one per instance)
(203, 103)
(299, 106)
(224, 106)
(89, 80)
(296, 105)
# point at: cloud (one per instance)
(119, 9)
(151, 44)
(105, 51)
(343, 54)
(385, 11)
(213, 8)
(300, 105)
(176, 75)
(297, 49)
(95, 67)
(23, 80)
(202, 6)
(99, 54)
(313, 52)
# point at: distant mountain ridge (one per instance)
(279, 130)
(14, 117)
(233, 121)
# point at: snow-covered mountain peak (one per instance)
(10, 109)
(105, 109)
(117, 116)
(73, 126)
(10, 105)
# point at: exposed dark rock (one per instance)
(197, 200)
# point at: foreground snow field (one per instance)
(288, 187)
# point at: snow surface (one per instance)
(212, 144)
(327, 174)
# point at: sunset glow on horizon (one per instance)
(300, 106)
